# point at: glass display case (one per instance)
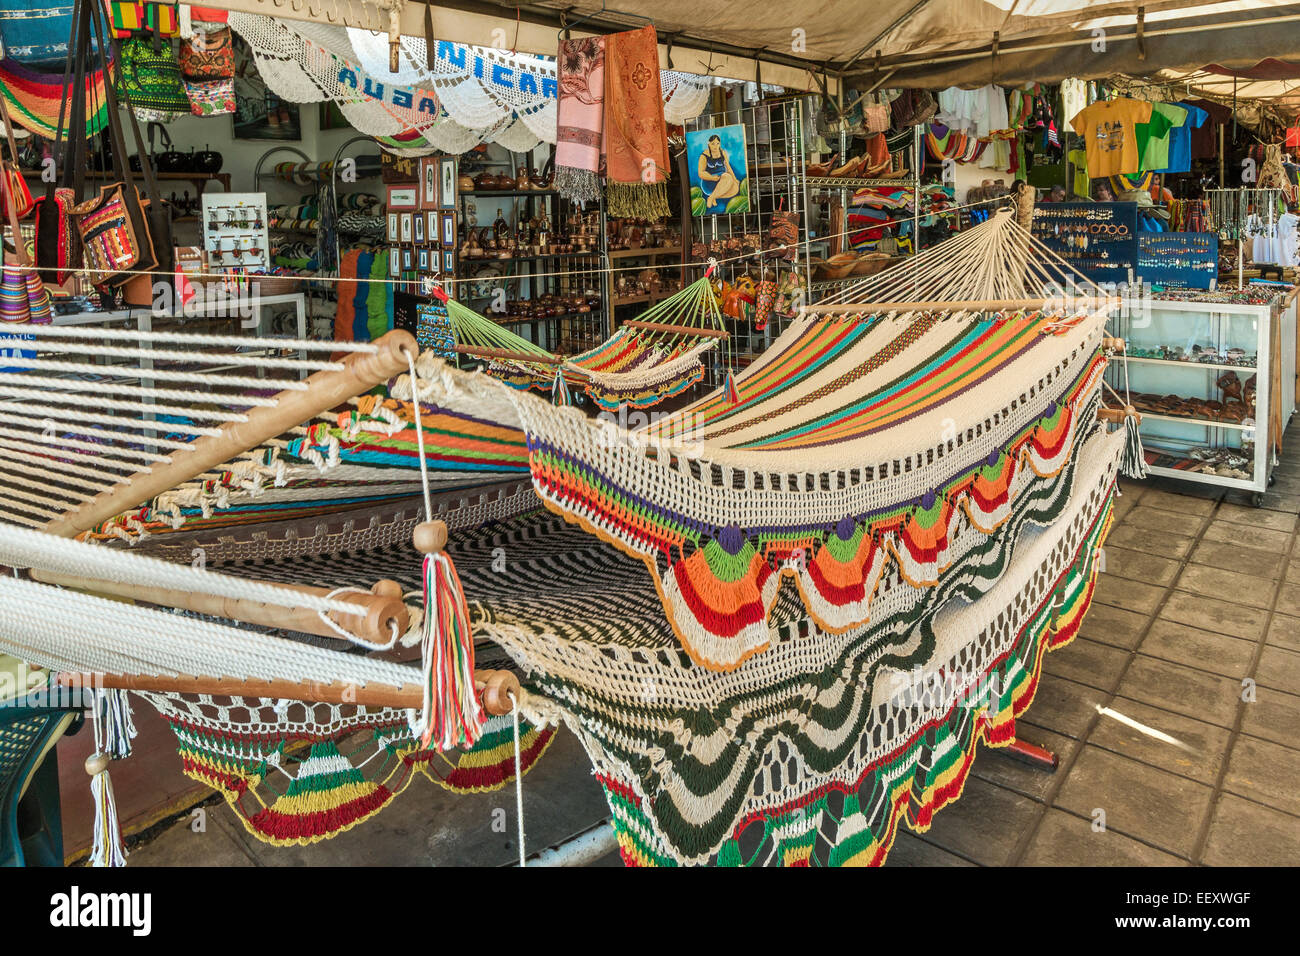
(1199, 372)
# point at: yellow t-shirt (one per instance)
(1109, 131)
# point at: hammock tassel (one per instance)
(733, 395)
(107, 848)
(113, 732)
(114, 714)
(1133, 463)
(452, 715)
(560, 389)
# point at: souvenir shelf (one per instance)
(555, 295)
(1192, 366)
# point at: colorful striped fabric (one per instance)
(34, 98)
(854, 447)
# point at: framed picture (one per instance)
(407, 230)
(448, 262)
(259, 113)
(424, 260)
(419, 227)
(408, 260)
(449, 229)
(403, 196)
(447, 182)
(394, 261)
(392, 227)
(718, 171)
(429, 182)
(433, 226)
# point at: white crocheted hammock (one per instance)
(471, 95)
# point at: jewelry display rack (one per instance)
(1098, 240)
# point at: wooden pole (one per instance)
(362, 371)
(478, 352)
(677, 329)
(385, 609)
(495, 685)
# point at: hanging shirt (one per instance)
(1153, 135)
(1180, 140)
(1109, 131)
(1205, 139)
(1074, 97)
(1286, 239)
(1078, 159)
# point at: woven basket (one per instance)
(278, 285)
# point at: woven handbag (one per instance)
(211, 97)
(875, 119)
(208, 56)
(56, 253)
(22, 294)
(15, 186)
(109, 244)
(151, 80)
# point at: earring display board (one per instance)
(1097, 239)
(235, 231)
(1179, 260)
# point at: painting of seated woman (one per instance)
(719, 175)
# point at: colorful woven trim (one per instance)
(329, 792)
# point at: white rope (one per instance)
(348, 635)
(69, 423)
(419, 436)
(145, 408)
(172, 355)
(29, 384)
(27, 549)
(199, 378)
(196, 338)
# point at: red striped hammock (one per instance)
(35, 98)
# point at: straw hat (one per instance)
(1144, 202)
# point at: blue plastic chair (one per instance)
(31, 826)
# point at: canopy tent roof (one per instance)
(924, 43)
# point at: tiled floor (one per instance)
(1194, 636)
(1175, 716)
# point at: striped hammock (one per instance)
(34, 98)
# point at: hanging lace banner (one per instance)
(470, 95)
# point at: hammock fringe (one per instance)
(1133, 463)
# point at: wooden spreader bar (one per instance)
(674, 329)
(475, 351)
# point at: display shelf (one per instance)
(1219, 325)
(638, 253)
(198, 180)
(846, 182)
(1199, 365)
(508, 192)
(1188, 419)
